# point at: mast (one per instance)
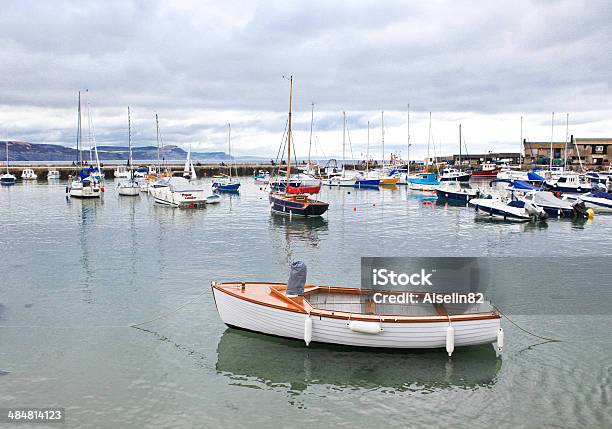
(382, 136)
(460, 147)
(289, 133)
(343, 140)
(368, 150)
(229, 147)
(158, 152)
(521, 145)
(7, 160)
(552, 133)
(79, 135)
(130, 145)
(428, 139)
(566, 140)
(408, 137)
(310, 141)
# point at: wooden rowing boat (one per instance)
(349, 316)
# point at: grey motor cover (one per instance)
(297, 279)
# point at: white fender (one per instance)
(450, 340)
(500, 339)
(307, 330)
(365, 327)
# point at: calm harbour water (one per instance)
(75, 274)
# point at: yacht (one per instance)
(28, 174)
(53, 175)
(177, 192)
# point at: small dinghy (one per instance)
(351, 316)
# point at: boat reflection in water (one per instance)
(280, 364)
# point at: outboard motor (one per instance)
(297, 279)
(536, 212)
(580, 209)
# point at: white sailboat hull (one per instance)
(188, 199)
(78, 190)
(129, 189)
(244, 314)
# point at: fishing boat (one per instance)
(189, 172)
(568, 183)
(121, 172)
(130, 187)
(7, 178)
(87, 183)
(53, 175)
(225, 182)
(178, 192)
(28, 174)
(454, 175)
(262, 176)
(486, 170)
(299, 204)
(423, 182)
(351, 317)
(460, 192)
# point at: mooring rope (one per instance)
(136, 325)
(525, 330)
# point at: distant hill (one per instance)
(24, 151)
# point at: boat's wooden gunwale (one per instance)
(301, 305)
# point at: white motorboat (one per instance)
(28, 174)
(454, 175)
(556, 207)
(598, 199)
(129, 187)
(53, 175)
(512, 173)
(568, 183)
(262, 176)
(352, 317)
(177, 192)
(508, 208)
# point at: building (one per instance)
(470, 160)
(593, 153)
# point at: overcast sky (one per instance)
(201, 65)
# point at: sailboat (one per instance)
(454, 174)
(87, 184)
(384, 177)
(130, 187)
(225, 182)
(189, 172)
(294, 204)
(7, 179)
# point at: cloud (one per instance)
(201, 65)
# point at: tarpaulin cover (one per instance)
(297, 278)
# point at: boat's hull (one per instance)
(455, 178)
(498, 210)
(429, 187)
(484, 174)
(129, 191)
(389, 180)
(459, 197)
(555, 187)
(290, 206)
(304, 189)
(187, 200)
(80, 190)
(8, 181)
(232, 187)
(367, 183)
(243, 314)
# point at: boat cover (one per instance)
(535, 177)
(297, 278)
(520, 184)
(548, 199)
(600, 194)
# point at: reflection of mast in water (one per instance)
(298, 230)
(88, 212)
(131, 203)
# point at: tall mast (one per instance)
(521, 146)
(460, 146)
(428, 139)
(130, 145)
(552, 132)
(382, 136)
(7, 161)
(310, 141)
(289, 132)
(566, 140)
(343, 140)
(408, 137)
(158, 152)
(79, 135)
(229, 147)
(368, 149)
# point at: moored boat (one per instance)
(28, 174)
(568, 183)
(130, 187)
(178, 192)
(486, 170)
(423, 182)
(7, 178)
(454, 175)
(351, 317)
(460, 192)
(225, 182)
(53, 175)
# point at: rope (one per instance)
(136, 325)
(525, 330)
